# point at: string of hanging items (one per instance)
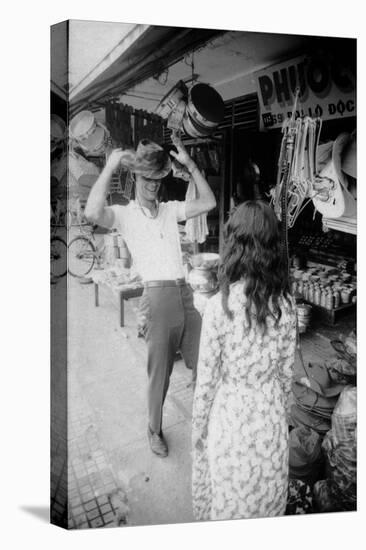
(296, 174)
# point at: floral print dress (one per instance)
(239, 422)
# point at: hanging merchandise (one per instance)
(59, 181)
(175, 119)
(172, 99)
(58, 132)
(196, 228)
(204, 112)
(118, 119)
(214, 159)
(296, 166)
(349, 158)
(85, 173)
(147, 126)
(91, 136)
(205, 106)
(330, 193)
(59, 167)
(197, 110)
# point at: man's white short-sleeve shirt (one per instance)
(154, 243)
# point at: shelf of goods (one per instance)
(331, 292)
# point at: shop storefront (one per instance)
(289, 138)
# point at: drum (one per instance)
(82, 125)
(91, 136)
(97, 142)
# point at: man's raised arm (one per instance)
(206, 199)
(95, 210)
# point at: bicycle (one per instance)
(84, 251)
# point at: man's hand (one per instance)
(114, 159)
(182, 156)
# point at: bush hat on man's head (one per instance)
(150, 160)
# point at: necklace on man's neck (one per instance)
(152, 217)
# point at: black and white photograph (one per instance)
(203, 273)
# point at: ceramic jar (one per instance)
(203, 275)
(202, 280)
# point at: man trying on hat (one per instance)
(150, 230)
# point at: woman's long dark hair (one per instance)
(252, 253)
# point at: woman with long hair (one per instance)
(239, 424)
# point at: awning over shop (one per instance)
(145, 51)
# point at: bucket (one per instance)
(205, 110)
(205, 105)
(303, 316)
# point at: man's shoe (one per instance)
(157, 443)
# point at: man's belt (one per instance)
(168, 282)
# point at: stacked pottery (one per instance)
(329, 288)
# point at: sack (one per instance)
(340, 446)
(305, 454)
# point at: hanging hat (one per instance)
(149, 160)
(84, 172)
(349, 157)
(339, 146)
(340, 201)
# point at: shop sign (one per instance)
(327, 89)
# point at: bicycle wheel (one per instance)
(58, 257)
(81, 256)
